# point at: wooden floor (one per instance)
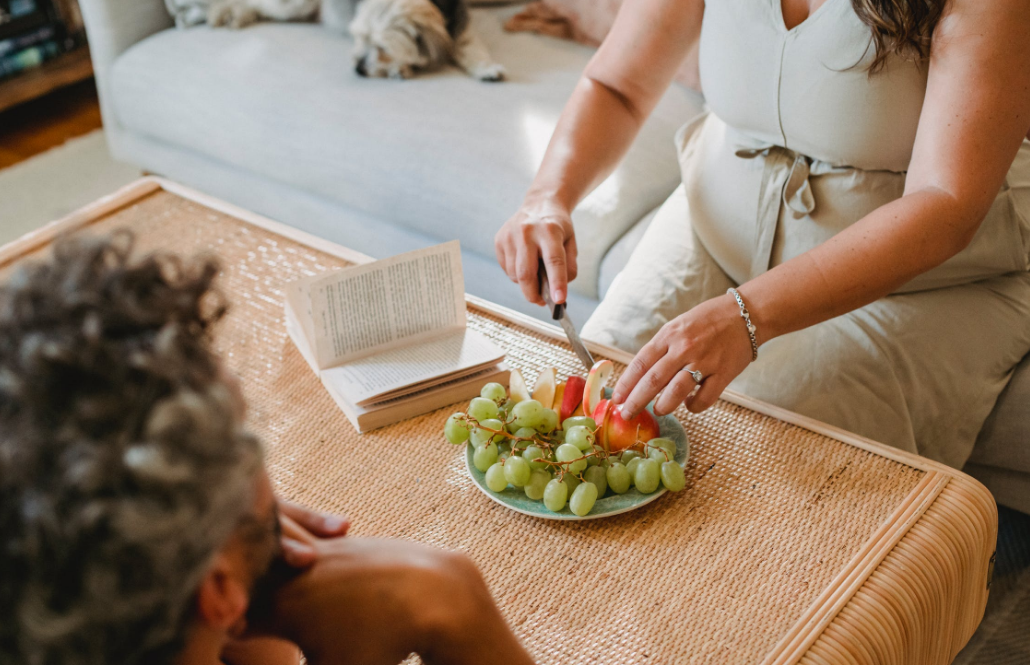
(48, 122)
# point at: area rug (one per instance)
(51, 185)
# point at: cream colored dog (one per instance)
(398, 38)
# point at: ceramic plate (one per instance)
(610, 504)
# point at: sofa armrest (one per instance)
(112, 26)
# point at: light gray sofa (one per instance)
(272, 118)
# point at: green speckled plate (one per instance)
(610, 504)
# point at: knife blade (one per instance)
(560, 314)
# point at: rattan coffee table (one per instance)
(793, 542)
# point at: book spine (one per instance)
(29, 58)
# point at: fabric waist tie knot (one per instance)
(785, 179)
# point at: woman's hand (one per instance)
(711, 338)
(302, 528)
(539, 230)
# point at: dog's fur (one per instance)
(397, 38)
(392, 38)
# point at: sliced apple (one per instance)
(593, 389)
(572, 398)
(559, 395)
(517, 390)
(545, 386)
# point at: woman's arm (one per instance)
(975, 115)
(620, 87)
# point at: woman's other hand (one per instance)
(302, 527)
(711, 338)
(540, 230)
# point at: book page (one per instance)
(365, 379)
(387, 304)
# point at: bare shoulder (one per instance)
(997, 26)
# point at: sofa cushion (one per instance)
(442, 154)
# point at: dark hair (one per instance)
(900, 27)
(123, 467)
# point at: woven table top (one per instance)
(782, 534)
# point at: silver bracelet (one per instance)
(746, 315)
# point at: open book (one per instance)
(389, 339)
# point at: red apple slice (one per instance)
(593, 389)
(572, 397)
(517, 390)
(546, 383)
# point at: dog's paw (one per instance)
(488, 71)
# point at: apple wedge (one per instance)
(559, 395)
(571, 402)
(593, 389)
(545, 386)
(517, 390)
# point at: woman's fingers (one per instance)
(637, 368)
(528, 272)
(675, 393)
(298, 554)
(556, 265)
(317, 523)
(707, 395)
(649, 385)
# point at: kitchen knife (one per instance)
(560, 314)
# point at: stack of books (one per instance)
(34, 31)
(389, 339)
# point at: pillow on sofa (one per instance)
(587, 21)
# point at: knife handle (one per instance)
(545, 291)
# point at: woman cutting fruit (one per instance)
(852, 237)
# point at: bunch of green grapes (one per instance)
(523, 445)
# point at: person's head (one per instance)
(899, 27)
(135, 514)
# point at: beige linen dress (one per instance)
(799, 143)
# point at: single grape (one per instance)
(658, 455)
(517, 471)
(593, 461)
(668, 445)
(572, 482)
(596, 475)
(535, 456)
(673, 477)
(555, 495)
(481, 433)
(482, 409)
(523, 433)
(495, 479)
(580, 437)
(485, 456)
(579, 421)
(629, 455)
(494, 392)
(527, 413)
(647, 476)
(566, 453)
(503, 456)
(583, 499)
(632, 465)
(558, 435)
(456, 428)
(548, 421)
(618, 478)
(506, 410)
(538, 481)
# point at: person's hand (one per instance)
(539, 230)
(711, 338)
(302, 528)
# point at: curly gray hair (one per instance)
(123, 467)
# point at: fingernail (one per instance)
(559, 296)
(332, 523)
(624, 412)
